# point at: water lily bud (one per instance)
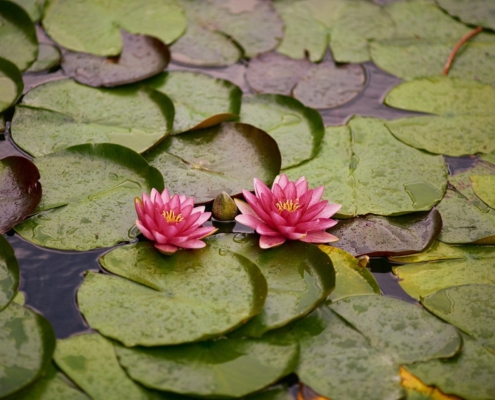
(224, 208)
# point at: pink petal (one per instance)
(282, 180)
(165, 196)
(277, 218)
(278, 193)
(193, 244)
(290, 191)
(271, 241)
(244, 207)
(260, 187)
(149, 223)
(329, 210)
(174, 202)
(301, 186)
(265, 230)
(148, 205)
(319, 237)
(293, 218)
(139, 207)
(159, 238)
(144, 231)
(255, 204)
(167, 249)
(182, 198)
(313, 211)
(198, 209)
(186, 203)
(248, 220)
(191, 221)
(154, 194)
(305, 199)
(316, 195)
(203, 232)
(316, 225)
(186, 211)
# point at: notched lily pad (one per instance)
(9, 273)
(388, 236)
(11, 84)
(48, 57)
(141, 58)
(224, 158)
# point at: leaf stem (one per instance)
(458, 45)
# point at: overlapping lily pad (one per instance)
(141, 57)
(11, 84)
(27, 342)
(297, 129)
(190, 296)
(473, 12)
(200, 101)
(367, 170)
(224, 158)
(93, 26)
(88, 193)
(484, 187)
(48, 57)
(443, 266)
(32, 7)
(20, 190)
(464, 123)
(221, 368)
(9, 273)
(388, 236)
(64, 113)
(18, 42)
(299, 277)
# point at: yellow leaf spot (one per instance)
(409, 381)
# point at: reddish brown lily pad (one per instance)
(142, 57)
(20, 190)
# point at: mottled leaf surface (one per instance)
(9, 273)
(48, 57)
(64, 113)
(472, 12)
(11, 84)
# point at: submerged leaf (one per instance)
(9, 273)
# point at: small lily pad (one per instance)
(220, 368)
(88, 193)
(297, 129)
(472, 12)
(141, 58)
(20, 191)
(189, 296)
(200, 101)
(224, 158)
(11, 84)
(48, 57)
(484, 187)
(9, 273)
(64, 113)
(388, 236)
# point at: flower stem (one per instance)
(458, 45)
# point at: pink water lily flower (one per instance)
(172, 222)
(288, 211)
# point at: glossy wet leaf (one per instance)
(141, 58)
(32, 7)
(189, 296)
(48, 57)
(468, 375)
(27, 342)
(93, 26)
(9, 273)
(404, 331)
(472, 12)
(298, 130)
(88, 193)
(224, 158)
(464, 123)
(11, 84)
(200, 101)
(364, 168)
(351, 278)
(469, 308)
(443, 266)
(20, 191)
(221, 368)
(299, 277)
(388, 236)
(484, 187)
(64, 113)
(18, 42)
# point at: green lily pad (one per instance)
(443, 266)
(469, 308)
(297, 129)
(48, 57)
(299, 277)
(93, 26)
(224, 158)
(200, 101)
(20, 191)
(404, 331)
(472, 12)
(364, 168)
(32, 7)
(64, 113)
(88, 193)
(388, 236)
(351, 278)
(220, 368)
(9, 273)
(18, 42)
(484, 187)
(11, 84)
(468, 375)
(27, 342)
(190, 296)
(465, 122)
(141, 58)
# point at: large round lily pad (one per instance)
(297, 129)
(224, 158)
(27, 342)
(64, 113)
(9, 273)
(364, 168)
(220, 368)
(200, 100)
(472, 12)
(18, 42)
(88, 193)
(93, 26)
(141, 57)
(11, 84)
(190, 296)
(20, 191)
(299, 277)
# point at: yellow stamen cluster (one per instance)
(288, 205)
(171, 217)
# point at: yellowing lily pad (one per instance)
(11, 84)
(9, 273)
(64, 113)
(484, 187)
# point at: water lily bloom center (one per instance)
(288, 211)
